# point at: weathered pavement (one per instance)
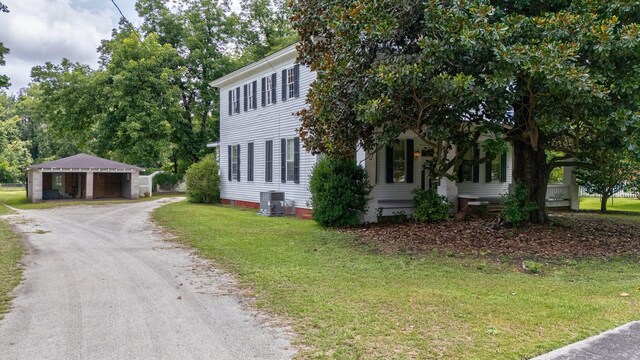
(620, 343)
(100, 283)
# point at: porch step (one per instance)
(494, 208)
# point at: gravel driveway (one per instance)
(101, 283)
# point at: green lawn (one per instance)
(615, 204)
(10, 254)
(347, 302)
(17, 198)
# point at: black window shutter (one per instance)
(255, 95)
(283, 160)
(487, 169)
(264, 92)
(230, 102)
(423, 174)
(503, 167)
(273, 87)
(238, 155)
(461, 172)
(250, 162)
(476, 166)
(409, 162)
(268, 166)
(238, 100)
(245, 98)
(285, 81)
(229, 153)
(296, 160)
(296, 80)
(389, 164)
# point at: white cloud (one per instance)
(37, 31)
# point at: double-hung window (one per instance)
(399, 161)
(269, 89)
(234, 163)
(290, 159)
(291, 83)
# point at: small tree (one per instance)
(610, 174)
(203, 181)
(339, 192)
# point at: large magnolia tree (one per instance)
(545, 76)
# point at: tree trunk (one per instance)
(530, 170)
(603, 203)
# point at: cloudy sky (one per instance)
(37, 31)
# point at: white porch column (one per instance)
(448, 187)
(370, 165)
(35, 185)
(88, 192)
(570, 180)
(135, 185)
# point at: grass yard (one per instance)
(618, 204)
(346, 301)
(17, 198)
(10, 270)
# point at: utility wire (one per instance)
(128, 23)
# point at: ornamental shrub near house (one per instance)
(430, 206)
(516, 205)
(339, 192)
(203, 181)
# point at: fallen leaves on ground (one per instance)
(570, 235)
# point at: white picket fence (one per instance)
(621, 194)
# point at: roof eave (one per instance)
(218, 83)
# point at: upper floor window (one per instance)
(250, 92)
(234, 101)
(269, 90)
(291, 82)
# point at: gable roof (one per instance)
(265, 63)
(85, 162)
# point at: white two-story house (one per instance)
(259, 149)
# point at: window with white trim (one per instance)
(269, 87)
(234, 101)
(234, 163)
(291, 80)
(250, 89)
(290, 160)
(399, 161)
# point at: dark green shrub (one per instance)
(339, 192)
(167, 180)
(203, 181)
(516, 205)
(429, 206)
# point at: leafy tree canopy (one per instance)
(4, 80)
(554, 75)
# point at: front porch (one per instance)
(395, 172)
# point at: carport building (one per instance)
(82, 176)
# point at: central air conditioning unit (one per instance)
(272, 203)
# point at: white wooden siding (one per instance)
(272, 122)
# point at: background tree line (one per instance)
(150, 101)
